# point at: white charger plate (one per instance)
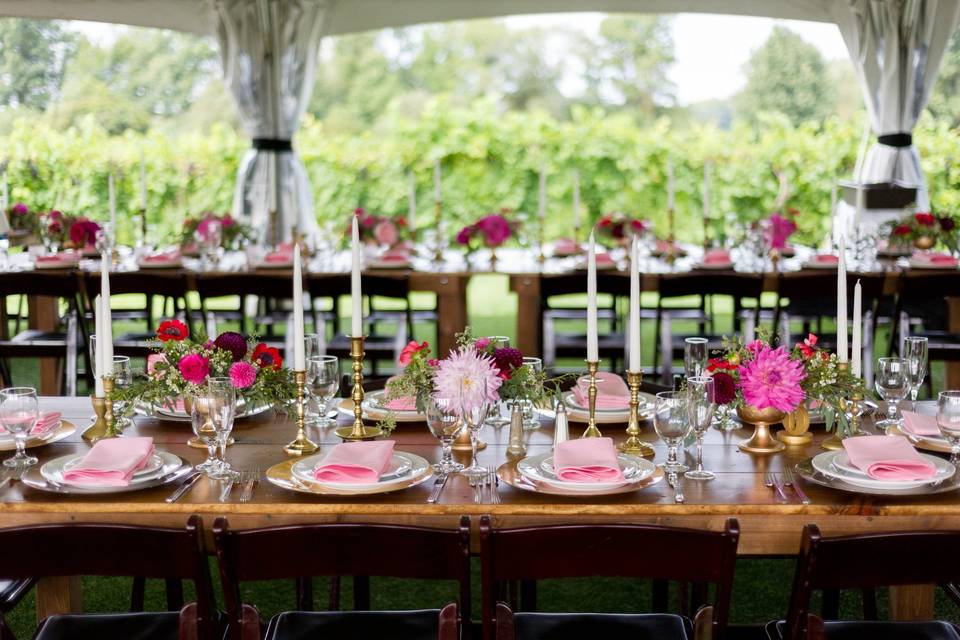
(302, 480)
(401, 467)
(374, 409)
(539, 468)
(49, 477)
(835, 464)
(608, 416)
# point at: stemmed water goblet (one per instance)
(892, 384)
(948, 421)
(500, 414)
(209, 240)
(19, 412)
(670, 421)
(212, 420)
(122, 378)
(701, 404)
(444, 424)
(224, 406)
(474, 414)
(323, 380)
(915, 353)
(694, 357)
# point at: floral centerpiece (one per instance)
(379, 230)
(491, 231)
(233, 234)
(778, 228)
(21, 218)
(763, 376)
(923, 230)
(619, 227)
(57, 229)
(183, 364)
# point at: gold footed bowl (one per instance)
(762, 440)
(796, 428)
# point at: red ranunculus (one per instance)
(719, 364)
(267, 357)
(408, 351)
(901, 230)
(172, 330)
(925, 219)
(807, 347)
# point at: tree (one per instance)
(945, 99)
(33, 54)
(789, 76)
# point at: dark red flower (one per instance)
(464, 235)
(233, 342)
(901, 230)
(172, 330)
(507, 359)
(617, 231)
(267, 357)
(925, 219)
(724, 388)
(637, 226)
(947, 223)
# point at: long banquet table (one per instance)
(768, 527)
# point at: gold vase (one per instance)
(924, 243)
(762, 440)
(796, 428)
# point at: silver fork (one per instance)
(476, 483)
(249, 482)
(789, 480)
(771, 480)
(492, 485)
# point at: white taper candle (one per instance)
(634, 318)
(856, 357)
(356, 295)
(98, 347)
(593, 352)
(105, 337)
(299, 356)
(842, 303)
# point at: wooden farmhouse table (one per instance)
(768, 527)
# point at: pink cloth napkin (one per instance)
(58, 258)
(939, 259)
(587, 460)
(888, 458)
(612, 392)
(826, 258)
(566, 246)
(111, 462)
(398, 255)
(716, 256)
(920, 425)
(277, 257)
(403, 403)
(161, 258)
(604, 260)
(355, 462)
(47, 421)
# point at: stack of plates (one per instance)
(405, 470)
(64, 429)
(836, 465)
(164, 467)
(375, 408)
(179, 415)
(539, 469)
(930, 443)
(580, 413)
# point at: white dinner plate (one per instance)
(374, 409)
(608, 416)
(539, 468)
(163, 465)
(834, 464)
(403, 468)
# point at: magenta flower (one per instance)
(19, 209)
(772, 379)
(465, 235)
(495, 229)
(242, 374)
(467, 379)
(194, 368)
(779, 231)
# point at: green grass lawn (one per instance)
(761, 587)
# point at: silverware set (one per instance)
(246, 480)
(488, 482)
(778, 484)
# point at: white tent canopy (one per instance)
(269, 51)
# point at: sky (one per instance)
(710, 49)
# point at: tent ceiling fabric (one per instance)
(347, 16)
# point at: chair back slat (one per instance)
(736, 285)
(615, 284)
(39, 283)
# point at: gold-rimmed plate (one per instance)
(807, 471)
(577, 413)
(282, 476)
(65, 430)
(931, 443)
(509, 473)
(373, 409)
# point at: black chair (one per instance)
(687, 556)
(11, 593)
(360, 550)
(66, 343)
(866, 562)
(40, 551)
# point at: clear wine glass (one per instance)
(701, 404)
(948, 421)
(530, 420)
(474, 415)
(323, 380)
(671, 423)
(499, 415)
(223, 408)
(122, 378)
(892, 386)
(444, 424)
(915, 353)
(19, 411)
(694, 357)
(313, 345)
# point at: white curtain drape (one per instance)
(896, 47)
(269, 52)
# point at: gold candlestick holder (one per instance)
(592, 431)
(671, 255)
(542, 257)
(301, 444)
(105, 425)
(358, 431)
(99, 427)
(633, 444)
(143, 224)
(437, 215)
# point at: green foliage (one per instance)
(32, 57)
(945, 98)
(789, 76)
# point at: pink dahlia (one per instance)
(194, 368)
(495, 229)
(467, 378)
(242, 374)
(772, 379)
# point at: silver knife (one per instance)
(183, 488)
(438, 485)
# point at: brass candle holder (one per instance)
(592, 431)
(143, 224)
(358, 431)
(671, 256)
(105, 423)
(301, 444)
(542, 257)
(633, 444)
(437, 215)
